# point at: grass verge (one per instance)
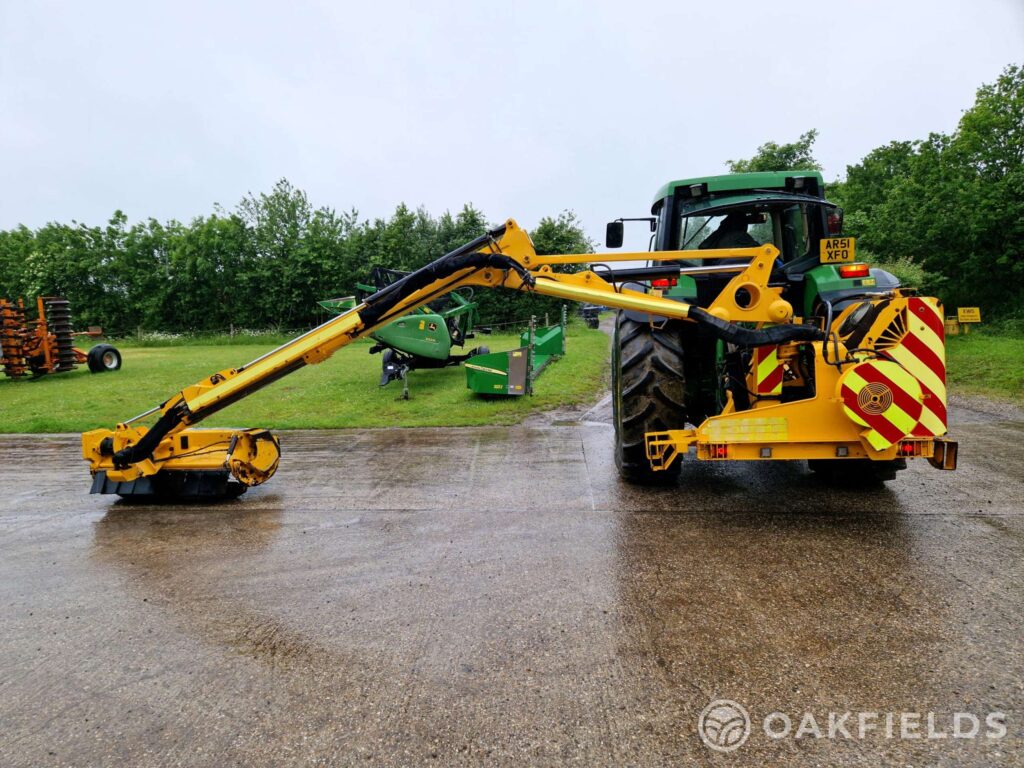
(341, 392)
(986, 363)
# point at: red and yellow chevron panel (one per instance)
(768, 371)
(883, 397)
(922, 352)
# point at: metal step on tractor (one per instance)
(47, 344)
(752, 334)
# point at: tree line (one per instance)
(945, 212)
(264, 264)
(951, 204)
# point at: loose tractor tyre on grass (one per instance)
(752, 334)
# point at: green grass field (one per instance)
(341, 392)
(986, 363)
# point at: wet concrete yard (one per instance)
(496, 596)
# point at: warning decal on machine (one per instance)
(768, 371)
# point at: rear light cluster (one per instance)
(664, 282)
(912, 448)
(854, 270)
(718, 451)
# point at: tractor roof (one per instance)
(738, 182)
(705, 206)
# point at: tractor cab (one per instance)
(786, 209)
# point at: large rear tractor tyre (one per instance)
(648, 395)
(103, 358)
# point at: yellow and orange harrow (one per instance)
(47, 344)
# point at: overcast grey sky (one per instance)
(523, 108)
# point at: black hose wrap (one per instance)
(464, 257)
(143, 449)
(748, 337)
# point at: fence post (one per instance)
(529, 356)
(564, 323)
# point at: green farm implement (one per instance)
(513, 372)
(424, 338)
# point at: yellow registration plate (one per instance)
(837, 250)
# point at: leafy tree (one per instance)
(265, 264)
(953, 205)
(991, 133)
(868, 183)
(278, 268)
(452, 231)
(205, 277)
(771, 156)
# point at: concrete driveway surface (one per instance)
(495, 596)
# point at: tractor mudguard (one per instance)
(883, 283)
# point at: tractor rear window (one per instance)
(785, 227)
(732, 230)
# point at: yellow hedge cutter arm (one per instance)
(172, 458)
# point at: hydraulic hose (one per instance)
(380, 306)
(143, 449)
(748, 337)
(377, 307)
(464, 257)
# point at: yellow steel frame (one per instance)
(802, 429)
(814, 428)
(208, 395)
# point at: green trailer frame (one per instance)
(514, 372)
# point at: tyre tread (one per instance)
(650, 395)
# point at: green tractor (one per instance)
(422, 339)
(668, 374)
